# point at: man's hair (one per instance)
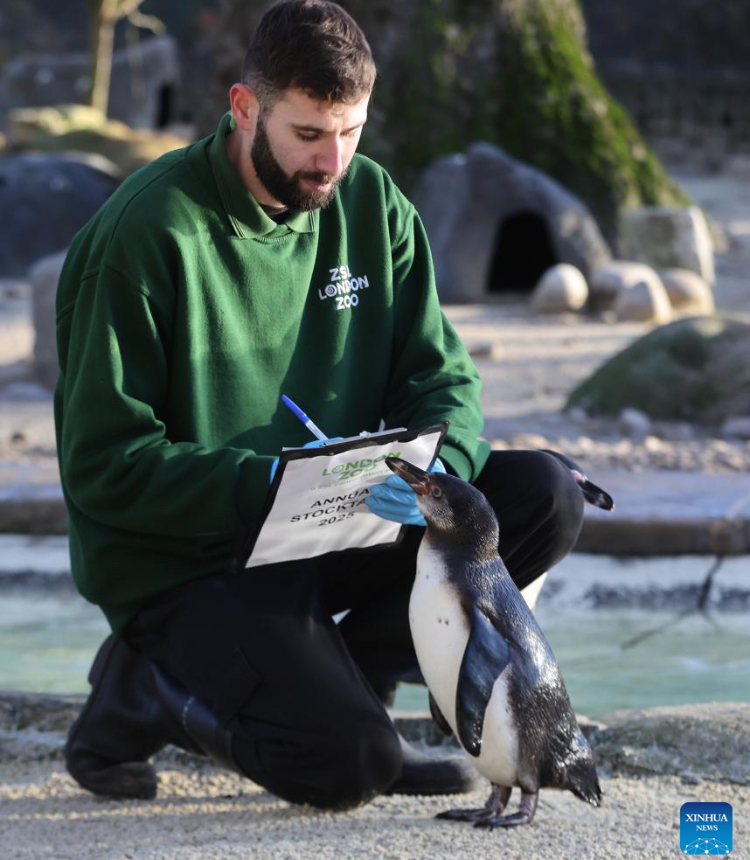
(310, 45)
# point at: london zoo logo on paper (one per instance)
(357, 468)
(706, 828)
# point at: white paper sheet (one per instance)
(319, 504)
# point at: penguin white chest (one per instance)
(439, 629)
(440, 632)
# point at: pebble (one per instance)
(635, 424)
(738, 427)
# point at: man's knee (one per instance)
(338, 771)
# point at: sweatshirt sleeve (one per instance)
(116, 463)
(432, 376)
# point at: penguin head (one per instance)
(579, 772)
(454, 510)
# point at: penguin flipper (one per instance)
(437, 716)
(487, 654)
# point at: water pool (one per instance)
(591, 608)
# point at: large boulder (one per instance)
(76, 128)
(668, 238)
(644, 301)
(467, 201)
(616, 276)
(688, 293)
(43, 278)
(46, 199)
(695, 369)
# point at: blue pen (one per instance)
(298, 413)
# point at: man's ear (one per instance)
(244, 106)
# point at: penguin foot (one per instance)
(496, 803)
(475, 816)
(525, 814)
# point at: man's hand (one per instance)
(396, 501)
(316, 443)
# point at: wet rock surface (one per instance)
(699, 741)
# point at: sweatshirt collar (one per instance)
(245, 214)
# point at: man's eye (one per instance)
(308, 138)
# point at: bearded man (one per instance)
(206, 286)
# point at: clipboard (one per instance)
(315, 504)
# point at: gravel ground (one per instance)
(205, 814)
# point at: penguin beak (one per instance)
(417, 479)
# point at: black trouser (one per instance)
(297, 691)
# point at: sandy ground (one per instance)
(208, 815)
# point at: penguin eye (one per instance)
(437, 492)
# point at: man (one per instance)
(191, 301)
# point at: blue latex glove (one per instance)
(396, 501)
(316, 443)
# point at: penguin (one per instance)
(591, 493)
(493, 679)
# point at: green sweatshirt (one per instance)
(184, 311)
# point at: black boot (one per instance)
(196, 720)
(131, 714)
(429, 774)
(433, 774)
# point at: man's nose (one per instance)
(330, 158)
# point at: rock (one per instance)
(688, 292)
(42, 713)
(49, 198)
(30, 746)
(670, 238)
(43, 277)
(145, 79)
(561, 289)
(608, 281)
(125, 149)
(492, 218)
(490, 351)
(446, 180)
(635, 424)
(736, 428)
(30, 126)
(646, 300)
(24, 392)
(675, 431)
(695, 370)
(704, 741)
(577, 414)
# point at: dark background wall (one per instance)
(682, 67)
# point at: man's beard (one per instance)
(287, 189)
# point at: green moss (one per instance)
(515, 73)
(692, 370)
(557, 115)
